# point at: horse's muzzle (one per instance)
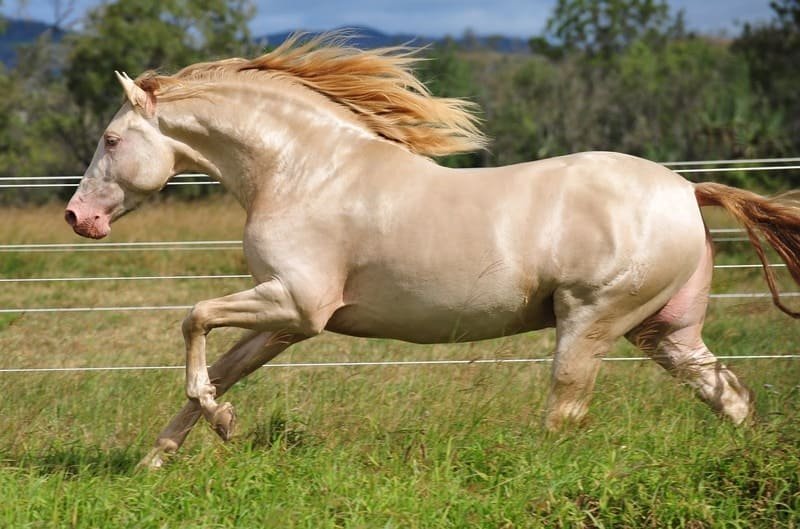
(87, 223)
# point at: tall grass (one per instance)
(434, 446)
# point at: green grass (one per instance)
(403, 447)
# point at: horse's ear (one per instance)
(144, 101)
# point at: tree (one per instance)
(138, 35)
(773, 49)
(772, 52)
(34, 101)
(602, 28)
(447, 74)
(686, 99)
(2, 24)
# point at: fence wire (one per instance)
(192, 179)
(244, 276)
(70, 181)
(203, 245)
(379, 363)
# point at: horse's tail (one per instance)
(777, 222)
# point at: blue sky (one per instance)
(435, 18)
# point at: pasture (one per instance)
(376, 446)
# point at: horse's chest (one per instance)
(273, 251)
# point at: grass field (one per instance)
(390, 447)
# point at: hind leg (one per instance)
(585, 332)
(672, 337)
(575, 366)
(684, 355)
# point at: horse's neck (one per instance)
(262, 142)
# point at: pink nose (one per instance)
(87, 221)
(73, 218)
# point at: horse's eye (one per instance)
(112, 141)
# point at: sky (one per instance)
(434, 18)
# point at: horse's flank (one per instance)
(378, 86)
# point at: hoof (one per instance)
(559, 423)
(152, 461)
(155, 457)
(224, 421)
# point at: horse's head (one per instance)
(133, 160)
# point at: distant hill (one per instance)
(21, 32)
(17, 33)
(366, 37)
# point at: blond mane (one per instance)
(379, 86)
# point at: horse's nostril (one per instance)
(71, 217)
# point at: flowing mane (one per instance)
(378, 85)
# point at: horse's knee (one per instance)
(196, 321)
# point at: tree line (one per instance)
(621, 75)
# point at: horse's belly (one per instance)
(423, 321)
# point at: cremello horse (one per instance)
(352, 229)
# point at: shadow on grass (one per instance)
(276, 431)
(77, 461)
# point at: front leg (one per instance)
(250, 353)
(267, 307)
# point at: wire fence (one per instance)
(731, 162)
(123, 246)
(13, 182)
(33, 310)
(73, 181)
(379, 363)
(246, 276)
(720, 235)
(169, 246)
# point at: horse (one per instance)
(353, 228)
